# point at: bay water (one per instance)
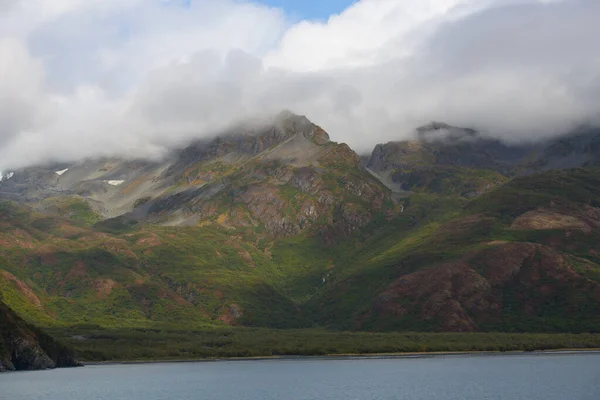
(473, 377)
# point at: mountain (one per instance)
(449, 160)
(446, 160)
(23, 347)
(232, 230)
(580, 148)
(273, 225)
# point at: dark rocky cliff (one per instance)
(24, 347)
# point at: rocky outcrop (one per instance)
(24, 347)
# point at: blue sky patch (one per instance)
(310, 9)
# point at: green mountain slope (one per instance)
(54, 272)
(522, 257)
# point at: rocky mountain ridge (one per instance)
(249, 174)
(445, 157)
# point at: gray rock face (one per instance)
(246, 141)
(581, 148)
(28, 355)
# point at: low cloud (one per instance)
(83, 79)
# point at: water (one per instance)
(514, 377)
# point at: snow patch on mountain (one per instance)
(115, 183)
(5, 177)
(61, 172)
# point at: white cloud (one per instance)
(359, 36)
(83, 78)
(21, 90)
(7, 5)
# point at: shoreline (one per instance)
(333, 357)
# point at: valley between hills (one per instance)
(274, 240)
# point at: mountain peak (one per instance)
(435, 131)
(293, 124)
(432, 126)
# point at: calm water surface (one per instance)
(514, 377)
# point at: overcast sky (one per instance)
(82, 78)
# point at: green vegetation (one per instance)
(123, 275)
(570, 188)
(141, 201)
(448, 180)
(96, 344)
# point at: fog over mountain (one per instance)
(83, 78)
